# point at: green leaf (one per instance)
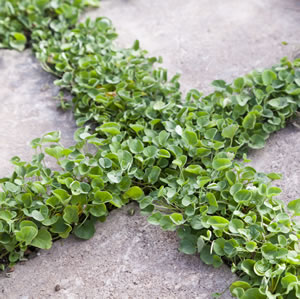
(105, 162)
(103, 196)
(239, 284)
(75, 188)
(43, 239)
(117, 202)
(212, 203)
(37, 215)
(230, 131)
(162, 153)
(136, 146)
(154, 174)
(206, 256)
(190, 137)
(253, 293)
(279, 103)
(6, 215)
(239, 83)
(242, 101)
(61, 194)
(217, 261)
(134, 193)
(200, 244)
(257, 141)
(180, 161)
(221, 163)
(249, 121)
(150, 151)
(268, 77)
(98, 210)
(18, 41)
(26, 234)
(272, 252)
(210, 133)
(125, 183)
(219, 246)
(56, 151)
(145, 202)
(177, 218)
(235, 225)
(136, 45)
(251, 246)
(196, 222)
(288, 279)
(136, 127)
(125, 159)
(12, 187)
(188, 245)
(61, 227)
(219, 84)
(247, 266)
(242, 196)
(26, 199)
(13, 257)
(51, 137)
(163, 137)
(218, 222)
(25, 223)
(154, 219)
(110, 128)
(166, 223)
(274, 176)
(71, 214)
(231, 177)
(273, 191)
(294, 206)
(195, 169)
(85, 231)
(115, 176)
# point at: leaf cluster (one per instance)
(20, 19)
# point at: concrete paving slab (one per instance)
(128, 258)
(28, 109)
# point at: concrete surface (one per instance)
(28, 109)
(127, 258)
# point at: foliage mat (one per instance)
(182, 160)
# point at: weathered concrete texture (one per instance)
(28, 109)
(127, 258)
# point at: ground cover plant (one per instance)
(182, 160)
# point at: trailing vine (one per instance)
(180, 159)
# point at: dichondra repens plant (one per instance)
(180, 159)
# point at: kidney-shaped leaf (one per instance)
(43, 239)
(294, 206)
(218, 222)
(221, 163)
(26, 234)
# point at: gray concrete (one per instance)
(127, 258)
(28, 109)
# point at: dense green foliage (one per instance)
(175, 157)
(20, 19)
